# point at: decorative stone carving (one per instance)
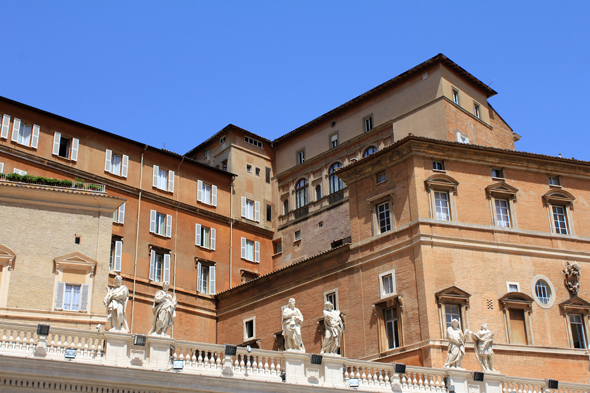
(572, 278)
(291, 320)
(164, 310)
(483, 341)
(333, 330)
(456, 349)
(116, 304)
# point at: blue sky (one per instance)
(176, 72)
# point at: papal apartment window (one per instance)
(476, 110)
(368, 123)
(163, 179)
(441, 203)
(578, 331)
(65, 147)
(333, 140)
(336, 183)
(387, 283)
(381, 177)
(452, 311)
(250, 250)
(300, 156)
(497, 173)
(117, 164)
(438, 166)
(383, 217)
(160, 224)
(205, 236)
(71, 297)
(301, 193)
(369, 151)
(25, 134)
(456, 96)
(391, 332)
(206, 193)
(205, 278)
(159, 266)
(250, 209)
(502, 213)
(553, 181)
(559, 220)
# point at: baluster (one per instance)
(200, 359)
(387, 376)
(218, 360)
(437, 384)
(254, 365)
(404, 382)
(357, 375)
(11, 340)
(266, 368)
(346, 375)
(249, 364)
(194, 359)
(380, 379)
(364, 376)
(420, 383)
(242, 364)
(272, 367)
(236, 364)
(414, 381)
(93, 348)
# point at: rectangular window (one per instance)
(381, 177)
(20, 172)
(559, 220)
(206, 193)
(456, 96)
(513, 287)
(384, 217)
(205, 237)
(65, 147)
(333, 141)
(497, 173)
(250, 209)
(248, 276)
(22, 133)
(269, 213)
(160, 224)
(250, 250)
(249, 329)
(221, 140)
(117, 164)
(297, 235)
(205, 278)
(387, 283)
(116, 254)
(248, 168)
(452, 311)
(119, 215)
(163, 179)
(438, 166)
(253, 142)
(278, 247)
(517, 326)
(300, 156)
(441, 203)
(72, 297)
(390, 320)
(331, 297)
(502, 213)
(553, 181)
(578, 334)
(159, 266)
(267, 175)
(368, 123)
(257, 171)
(476, 110)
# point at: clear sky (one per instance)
(173, 73)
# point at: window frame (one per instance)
(300, 156)
(509, 283)
(455, 96)
(477, 110)
(442, 165)
(331, 140)
(336, 184)
(452, 296)
(557, 183)
(255, 250)
(383, 180)
(379, 308)
(497, 171)
(552, 295)
(576, 306)
(81, 265)
(517, 301)
(382, 294)
(335, 293)
(372, 149)
(565, 200)
(246, 203)
(72, 148)
(442, 183)
(211, 192)
(200, 231)
(301, 193)
(503, 191)
(157, 174)
(368, 123)
(244, 324)
(210, 282)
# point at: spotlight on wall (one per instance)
(139, 339)
(478, 376)
(552, 383)
(70, 353)
(231, 350)
(316, 359)
(42, 330)
(283, 376)
(248, 348)
(353, 382)
(400, 368)
(177, 365)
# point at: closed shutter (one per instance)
(121, 218)
(171, 181)
(35, 137)
(243, 206)
(59, 296)
(1, 167)
(168, 225)
(152, 265)
(124, 166)
(257, 211)
(107, 161)
(84, 297)
(212, 238)
(197, 234)
(118, 255)
(156, 174)
(244, 247)
(214, 195)
(257, 252)
(199, 286)
(167, 268)
(15, 129)
(5, 126)
(75, 145)
(56, 142)
(199, 191)
(211, 280)
(153, 221)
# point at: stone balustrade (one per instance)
(280, 370)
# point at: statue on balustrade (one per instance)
(164, 310)
(483, 341)
(116, 304)
(291, 320)
(456, 349)
(333, 330)
(572, 278)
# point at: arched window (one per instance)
(318, 192)
(285, 206)
(335, 182)
(301, 193)
(369, 151)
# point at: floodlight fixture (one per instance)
(400, 368)
(478, 376)
(177, 365)
(42, 329)
(353, 382)
(70, 353)
(231, 350)
(316, 359)
(139, 340)
(552, 383)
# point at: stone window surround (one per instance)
(534, 292)
(382, 294)
(576, 305)
(378, 308)
(379, 199)
(456, 296)
(334, 291)
(442, 183)
(253, 319)
(7, 259)
(560, 197)
(501, 190)
(77, 263)
(508, 283)
(522, 301)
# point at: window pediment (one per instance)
(559, 197)
(502, 190)
(76, 261)
(7, 257)
(517, 300)
(452, 295)
(575, 304)
(442, 182)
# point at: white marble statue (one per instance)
(483, 341)
(456, 349)
(333, 330)
(292, 319)
(164, 310)
(116, 304)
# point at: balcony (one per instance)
(335, 197)
(301, 212)
(52, 183)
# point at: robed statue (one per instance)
(116, 304)
(483, 341)
(456, 349)
(291, 321)
(164, 310)
(333, 330)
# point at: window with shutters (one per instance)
(65, 147)
(389, 313)
(159, 265)
(206, 193)
(4, 131)
(119, 215)
(117, 164)
(160, 224)
(250, 250)
(206, 277)
(116, 254)
(250, 209)
(163, 179)
(25, 134)
(73, 278)
(205, 237)
(368, 123)
(333, 140)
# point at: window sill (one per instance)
(157, 234)
(204, 248)
(63, 158)
(296, 241)
(208, 204)
(439, 170)
(381, 182)
(498, 178)
(277, 254)
(163, 189)
(249, 260)
(555, 186)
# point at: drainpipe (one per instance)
(137, 237)
(177, 186)
(231, 228)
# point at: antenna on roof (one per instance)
(489, 84)
(164, 145)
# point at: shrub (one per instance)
(40, 180)
(13, 177)
(29, 178)
(66, 183)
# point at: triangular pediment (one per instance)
(452, 294)
(75, 260)
(6, 252)
(575, 303)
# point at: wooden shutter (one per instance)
(168, 225)
(153, 221)
(212, 242)
(84, 297)
(166, 268)
(257, 252)
(517, 326)
(1, 167)
(75, 145)
(5, 126)
(156, 175)
(171, 181)
(199, 286)
(59, 296)
(121, 218)
(108, 161)
(56, 142)
(199, 191)
(118, 255)
(124, 165)
(214, 195)
(15, 129)
(197, 234)
(35, 136)
(152, 264)
(257, 211)
(211, 280)
(243, 206)
(244, 247)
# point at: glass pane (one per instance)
(441, 202)
(543, 291)
(502, 213)
(452, 312)
(384, 217)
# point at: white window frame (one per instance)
(19, 172)
(442, 183)
(335, 292)
(442, 216)
(509, 208)
(378, 229)
(300, 156)
(497, 171)
(5, 126)
(158, 179)
(554, 183)
(211, 279)
(72, 149)
(456, 98)
(18, 129)
(250, 209)
(119, 215)
(253, 320)
(155, 222)
(509, 283)
(477, 110)
(582, 324)
(381, 177)
(199, 237)
(566, 219)
(436, 163)
(202, 193)
(368, 123)
(297, 236)
(166, 261)
(116, 255)
(256, 250)
(382, 293)
(333, 140)
(110, 167)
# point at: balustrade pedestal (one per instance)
(159, 351)
(117, 345)
(333, 374)
(464, 383)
